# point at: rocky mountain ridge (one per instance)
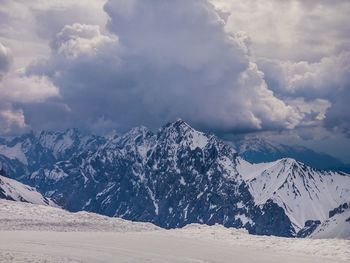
(171, 178)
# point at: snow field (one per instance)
(35, 233)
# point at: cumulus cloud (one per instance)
(326, 80)
(226, 66)
(56, 14)
(291, 29)
(313, 111)
(36, 22)
(11, 121)
(303, 49)
(77, 39)
(318, 79)
(17, 88)
(22, 89)
(168, 59)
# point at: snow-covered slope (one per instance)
(303, 192)
(34, 233)
(30, 217)
(16, 191)
(336, 226)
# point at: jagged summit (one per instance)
(178, 126)
(179, 132)
(305, 193)
(291, 163)
(177, 122)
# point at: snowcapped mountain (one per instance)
(27, 153)
(258, 150)
(15, 191)
(173, 177)
(303, 192)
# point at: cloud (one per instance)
(303, 49)
(166, 60)
(77, 39)
(227, 66)
(36, 22)
(326, 80)
(16, 88)
(318, 79)
(22, 89)
(11, 121)
(5, 60)
(313, 111)
(295, 30)
(338, 117)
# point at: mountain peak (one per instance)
(179, 127)
(289, 161)
(179, 123)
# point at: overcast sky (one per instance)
(271, 68)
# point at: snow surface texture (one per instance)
(31, 233)
(304, 193)
(337, 226)
(25, 216)
(16, 191)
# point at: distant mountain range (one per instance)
(174, 177)
(257, 150)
